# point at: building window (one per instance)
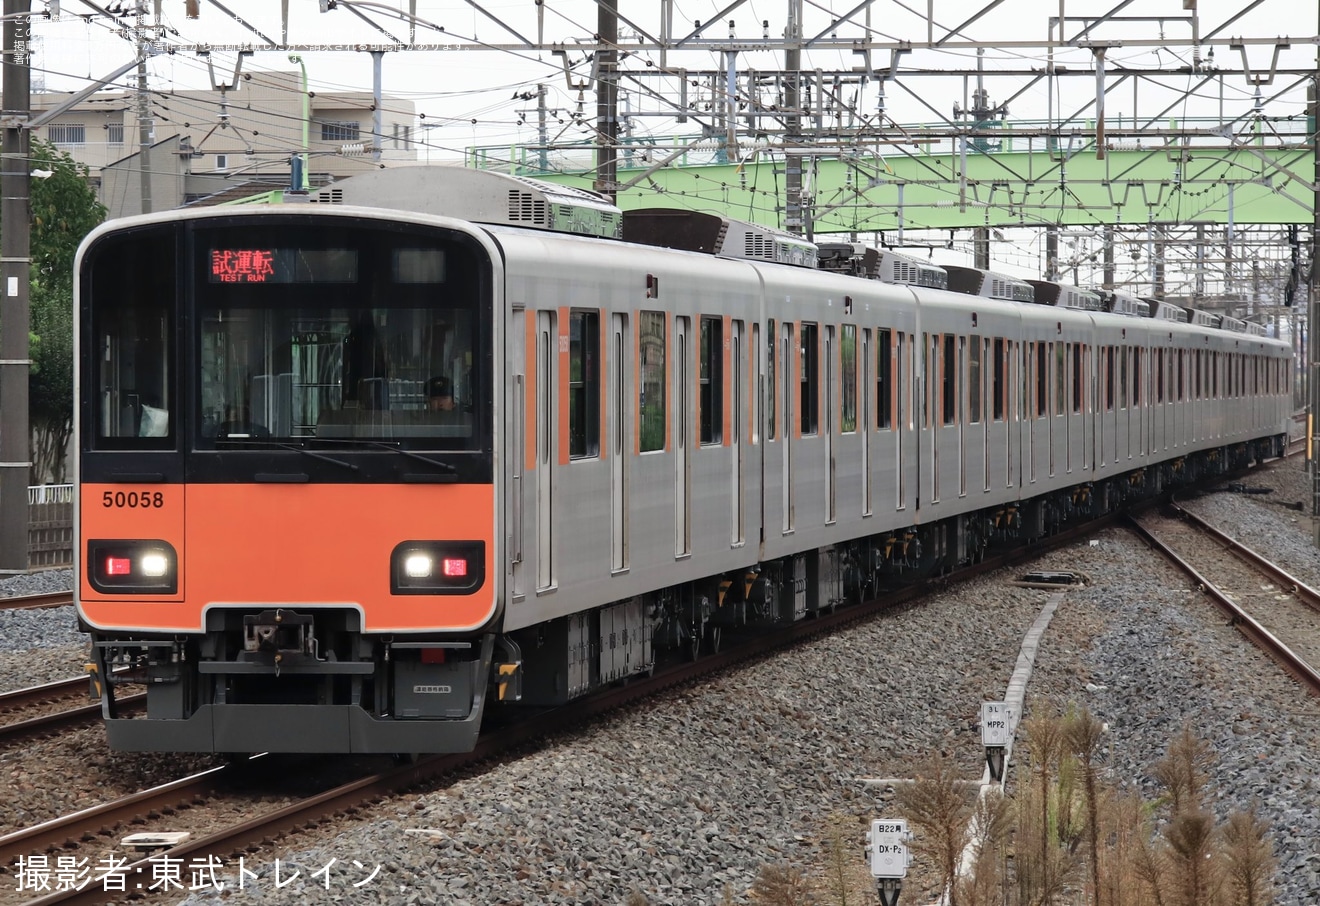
(583, 384)
(335, 131)
(711, 380)
(66, 134)
(114, 133)
(651, 401)
(848, 379)
(402, 135)
(809, 380)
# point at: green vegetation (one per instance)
(64, 209)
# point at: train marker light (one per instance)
(118, 566)
(454, 567)
(419, 566)
(155, 564)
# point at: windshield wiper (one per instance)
(394, 447)
(266, 442)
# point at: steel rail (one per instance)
(1240, 619)
(1299, 589)
(36, 602)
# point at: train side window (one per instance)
(998, 380)
(1136, 377)
(1042, 379)
(1078, 385)
(711, 380)
(948, 381)
(583, 384)
(848, 377)
(810, 379)
(974, 381)
(884, 401)
(1061, 377)
(1109, 378)
(651, 339)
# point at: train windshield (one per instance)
(357, 336)
(350, 335)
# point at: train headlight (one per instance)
(418, 566)
(437, 567)
(122, 567)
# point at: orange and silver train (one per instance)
(353, 470)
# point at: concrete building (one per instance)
(208, 145)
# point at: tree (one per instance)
(64, 209)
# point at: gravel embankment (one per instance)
(684, 800)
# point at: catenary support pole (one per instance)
(15, 242)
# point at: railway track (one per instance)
(188, 800)
(191, 804)
(1276, 611)
(50, 709)
(36, 602)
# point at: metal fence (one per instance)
(50, 525)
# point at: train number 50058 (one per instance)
(145, 499)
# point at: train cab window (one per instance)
(357, 340)
(848, 377)
(884, 397)
(583, 384)
(129, 367)
(651, 386)
(711, 380)
(809, 379)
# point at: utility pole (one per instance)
(795, 216)
(15, 249)
(607, 99)
(1313, 310)
(145, 122)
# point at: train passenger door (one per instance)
(789, 369)
(866, 424)
(682, 403)
(517, 434)
(618, 421)
(736, 428)
(547, 351)
(903, 396)
(829, 425)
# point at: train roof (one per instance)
(977, 282)
(480, 196)
(715, 234)
(1065, 295)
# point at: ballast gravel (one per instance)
(684, 800)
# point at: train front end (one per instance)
(286, 516)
